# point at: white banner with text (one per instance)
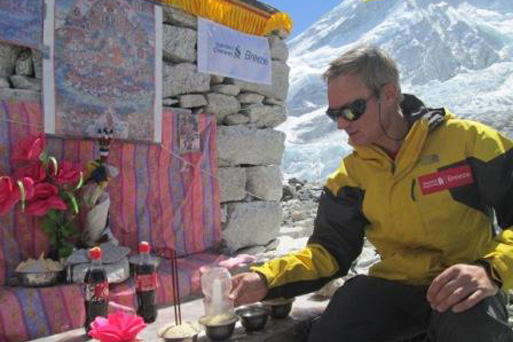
(230, 53)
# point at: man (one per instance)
(423, 187)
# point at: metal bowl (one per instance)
(218, 331)
(280, 308)
(253, 317)
(162, 334)
(38, 279)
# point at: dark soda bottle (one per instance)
(146, 284)
(97, 288)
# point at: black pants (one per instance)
(369, 309)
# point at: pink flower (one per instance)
(118, 327)
(67, 173)
(10, 192)
(34, 170)
(46, 197)
(30, 149)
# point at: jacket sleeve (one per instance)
(335, 243)
(492, 166)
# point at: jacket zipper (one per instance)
(413, 190)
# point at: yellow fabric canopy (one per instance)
(236, 14)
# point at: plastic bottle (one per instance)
(216, 284)
(146, 284)
(97, 288)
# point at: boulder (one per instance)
(241, 145)
(251, 224)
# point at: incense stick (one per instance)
(176, 288)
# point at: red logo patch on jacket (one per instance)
(446, 179)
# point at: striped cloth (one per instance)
(160, 196)
(167, 199)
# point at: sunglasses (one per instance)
(350, 112)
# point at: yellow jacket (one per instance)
(429, 209)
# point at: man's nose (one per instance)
(342, 123)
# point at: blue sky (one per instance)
(303, 12)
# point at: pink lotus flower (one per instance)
(67, 173)
(30, 149)
(10, 192)
(46, 197)
(34, 170)
(118, 327)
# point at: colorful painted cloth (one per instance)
(21, 22)
(106, 66)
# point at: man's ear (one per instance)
(389, 93)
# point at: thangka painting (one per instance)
(21, 22)
(189, 133)
(106, 69)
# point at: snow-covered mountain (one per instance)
(452, 53)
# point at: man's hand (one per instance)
(460, 287)
(248, 288)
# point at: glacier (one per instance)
(456, 54)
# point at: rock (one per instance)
(251, 224)
(37, 60)
(276, 102)
(8, 56)
(279, 87)
(179, 44)
(215, 79)
(238, 145)
(250, 98)
(279, 50)
(170, 102)
(232, 184)
(24, 82)
(236, 119)
(264, 182)
(183, 79)
(266, 116)
(298, 215)
(254, 250)
(221, 105)
(4, 83)
(19, 94)
(289, 192)
(272, 245)
(328, 290)
(24, 64)
(227, 89)
(177, 17)
(192, 100)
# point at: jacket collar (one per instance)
(423, 121)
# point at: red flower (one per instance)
(46, 197)
(10, 192)
(117, 327)
(67, 173)
(34, 170)
(30, 149)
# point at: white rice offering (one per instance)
(180, 331)
(218, 319)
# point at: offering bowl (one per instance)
(280, 308)
(219, 327)
(253, 317)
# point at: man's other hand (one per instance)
(247, 288)
(460, 287)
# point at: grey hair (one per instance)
(372, 64)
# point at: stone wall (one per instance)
(250, 149)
